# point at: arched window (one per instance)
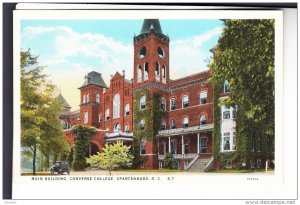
(185, 122)
(185, 101)
(143, 102)
(172, 104)
(146, 71)
(116, 106)
(87, 98)
(86, 117)
(126, 129)
(172, 124)
(99, 117)
(117, 127)
(163, 73)
(142, 52)
(157, 76)
(84, 99)
(107, 114)
(97, 98)
(142, 124)
(139, 71)
(163, 104)
(160, 52)
(163, 124)
(202, 120)
(226, 86)
(127, 109)
(203, 97)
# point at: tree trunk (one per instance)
(34, 157)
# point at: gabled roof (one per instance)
(94, 78)
(63, 101)
(117, 75)
(151, 24)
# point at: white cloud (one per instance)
(72, 55)
(187, 55)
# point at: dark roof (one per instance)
(94, 78)
(151, 24)
(63, 101)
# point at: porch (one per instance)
(185, 144)
(125, 137)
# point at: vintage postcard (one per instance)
(152, 104)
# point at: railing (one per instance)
(185, 130)
(178, 156)
(115, 134)
(192, 162)
(210, 165)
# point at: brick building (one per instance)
(187, 105)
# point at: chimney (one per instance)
(123, 71)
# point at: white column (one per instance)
(182, 145)
(198, 143)
(169, 145)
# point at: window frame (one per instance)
(171, 106)
(185, 104)
(143, 102)
(187, 124)
(86, 117)
(203, 98)
(127, 109)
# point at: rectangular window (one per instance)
(234, 113)
(185, 101)
(172, 104)
(142, 147)
(203, 97)
(226, 114)
(203, 144)
(163, 104)
(226, 141)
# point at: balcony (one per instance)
(179, 131)
(115, 136)
(179, 156)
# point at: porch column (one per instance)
(157, 147)
(198, 147)
(169, 145)
(182, 145)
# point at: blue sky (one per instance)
(71, 48)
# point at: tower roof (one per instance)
(94, 78)
(151, 24)
(63, 101)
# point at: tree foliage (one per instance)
(82, 142)
(244, 56)
(40, 124)
(113, 157)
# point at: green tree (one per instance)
(40, 124)
(113, 156)
(244, 56)
(82, 142)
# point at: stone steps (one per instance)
(198, 165)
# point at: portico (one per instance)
(185, 144)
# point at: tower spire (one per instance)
(151, 24)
